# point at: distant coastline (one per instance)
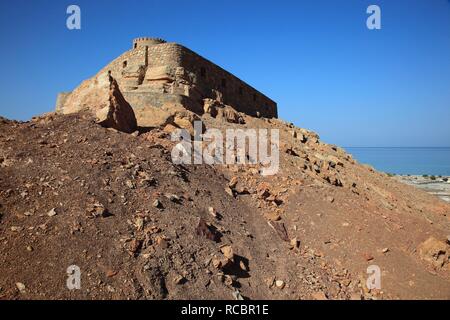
(427, 168)
(438, 186)
(418, 161)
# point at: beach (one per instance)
(438, 186)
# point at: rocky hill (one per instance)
(73, 192)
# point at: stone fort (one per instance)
(155, 72)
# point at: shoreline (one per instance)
(435, 185)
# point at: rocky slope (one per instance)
(139, 227)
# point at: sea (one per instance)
(403, 160)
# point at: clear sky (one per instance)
(317, 59)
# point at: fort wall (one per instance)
(213, 80)
(155, 72)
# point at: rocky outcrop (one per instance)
(215, 108)
(118, 114)
(435, 252)
(170, 114)
(102, 98)
(92, 94)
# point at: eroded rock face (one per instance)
(210, 107)
(102, 98)
(184, 119)
(230, 115)
(118, 114)
(217, 109)
(92, 94)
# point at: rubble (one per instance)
(52, 212)
(20, 286)
(227, 251)
(213, 212)
(205, 230)
(279, 284)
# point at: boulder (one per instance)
(217, 109)
(230, 115)
(181, 117)
(333, 161)
(280, 284)
(205, 230)
(210, 107)
(185, 120)
(435, 252)
(263, 190)
(308, 136)
(170, 116)
(227, 251)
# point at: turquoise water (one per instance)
(415, 161)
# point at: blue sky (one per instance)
(317, 59)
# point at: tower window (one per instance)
(135, 45)
(124, 64)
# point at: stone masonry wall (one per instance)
(152, 74)
(211, 79)
(207, 79)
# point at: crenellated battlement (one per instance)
(146, 41)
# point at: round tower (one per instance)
(146, 42)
